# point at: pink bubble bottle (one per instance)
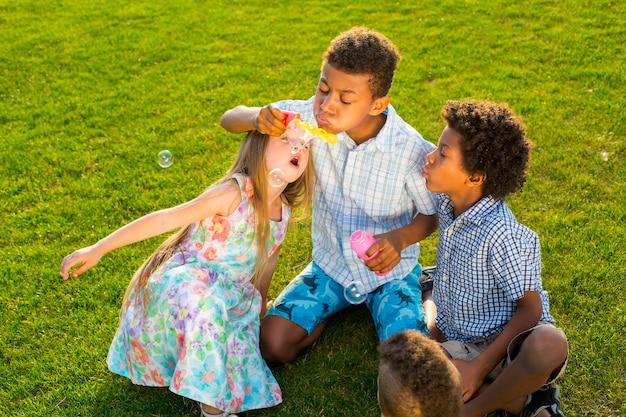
(361, 241)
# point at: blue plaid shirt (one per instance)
(485, 262)
(376, 186)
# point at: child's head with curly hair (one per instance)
(365, 52)
(493, 144)
(416, 378)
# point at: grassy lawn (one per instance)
(90, 92)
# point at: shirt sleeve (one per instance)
(516, 262)
(425, 201)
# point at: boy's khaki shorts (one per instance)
(469, 351)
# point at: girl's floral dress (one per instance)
(199, 332)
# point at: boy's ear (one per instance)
(379, 105)
(476, 179)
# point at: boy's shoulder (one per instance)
(499, 223)
(399, 133)
(298, 105)
(302, 107)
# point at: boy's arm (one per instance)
(474, 372)
(268, 120)
(430, 310)
(392, 243)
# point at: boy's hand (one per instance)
(85, 258)
(269, 120)
(472, 377)
(434, 332)
(389, 255)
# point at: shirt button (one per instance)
(444, 278)
(446, 255)
(449, 232)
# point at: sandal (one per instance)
(499, 413)
(428, 277)
(546, 398)
(205, 414)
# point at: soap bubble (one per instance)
(298, 137)
(297, 143)
(277, 177)
(355, 292)
(165, 158)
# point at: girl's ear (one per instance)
(379, 105)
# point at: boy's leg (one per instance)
(542, 352)
(298, 316)
(397, 305)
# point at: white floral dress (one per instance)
(199, 332)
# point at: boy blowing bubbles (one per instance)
(492, 314)
(369, 180)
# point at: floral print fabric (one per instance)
(200, 329)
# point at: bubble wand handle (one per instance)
(289, 116)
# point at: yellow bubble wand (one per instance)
(301, 133)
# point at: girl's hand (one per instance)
(85, 258)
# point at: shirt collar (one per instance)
(475, 214)
(384, 140)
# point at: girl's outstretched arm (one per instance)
(220, 200)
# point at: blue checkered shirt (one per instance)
(485, 262)
(376, 186)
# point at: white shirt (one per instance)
(376, 186)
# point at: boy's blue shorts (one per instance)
(313, 296)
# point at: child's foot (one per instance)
(428, 277)
(499, 413)
(208, 411)
(545, 402)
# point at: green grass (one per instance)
(91, 91)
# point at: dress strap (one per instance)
(245, 185)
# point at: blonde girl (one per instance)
(190, 315)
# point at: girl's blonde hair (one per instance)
(249, 161)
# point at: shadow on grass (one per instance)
(120, 397)
(339, 369)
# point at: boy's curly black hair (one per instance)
(363, 51)
(494, 144)
(416, 378)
